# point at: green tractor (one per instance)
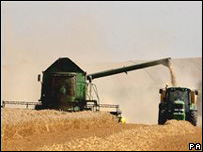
(178, 103)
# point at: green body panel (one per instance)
(81, 87)
(179, 110)
(193, 107)
(179, 116)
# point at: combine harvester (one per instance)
(65, 86)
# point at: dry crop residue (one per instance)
(54, 130)
(19, 123)
(143, 138)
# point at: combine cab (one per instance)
(178, 103)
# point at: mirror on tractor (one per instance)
(196, 92)
(39, 78)
(160, 91)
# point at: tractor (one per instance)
(178, 103)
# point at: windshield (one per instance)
(174, 95)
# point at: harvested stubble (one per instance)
(142, 138)
(19, 123)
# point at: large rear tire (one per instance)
(162, 118)
(193, 117)
(162, 115)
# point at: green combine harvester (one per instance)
(178, 103)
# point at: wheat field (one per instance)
(19, 123)
(50, 130)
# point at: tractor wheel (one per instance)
(162, 114)
(162, 117)
(193, 118)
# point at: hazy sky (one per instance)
(100, 31)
